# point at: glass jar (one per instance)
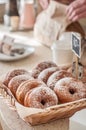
(61, 53)
(27, 14)
(11, 16)
(62, 49)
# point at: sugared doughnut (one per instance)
(40, 97)
(64, 67)
(16, 81)
(41, 66)
(83, 78)
(57, 76)
(13, 73)
(35, 73)
(69, 89)
(46, 73)
(27, 86)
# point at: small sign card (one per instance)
(76, 45)
(77, 68)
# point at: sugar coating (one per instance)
(41, 97)
(45, 74)
(70, 89)
(16, 81)
(26, 86)
(57, 76)
(13, 73)
(41, 66)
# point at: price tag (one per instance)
(76, 45)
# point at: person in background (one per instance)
(75, 10)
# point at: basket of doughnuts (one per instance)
(47, 92)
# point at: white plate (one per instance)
(28, 51)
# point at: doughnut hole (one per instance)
(43, 102)
(72, 91)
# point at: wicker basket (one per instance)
(39, 116)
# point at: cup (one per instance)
(62, 53)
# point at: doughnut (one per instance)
(45, 74)
(41, 66)
(16, 81)
(64, 67)
(12, 74)
(69, 89)
(35, 73)
(40, 97)
(27, 86)
(83, 79)
(57, 76)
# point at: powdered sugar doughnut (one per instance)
(16, 81)
(41, 66)
(40, 97)
(69, 89)
(13, 73)
(45, 74)
(57, 76)
(35, 73)
(26, 87)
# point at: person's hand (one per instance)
(44, 3)
(76, 10)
